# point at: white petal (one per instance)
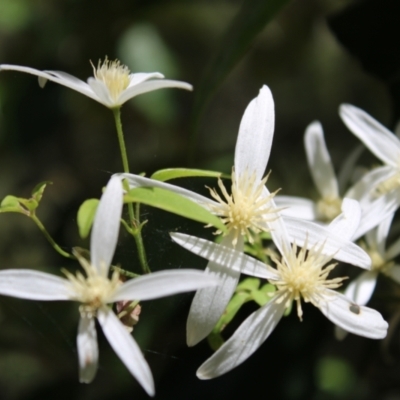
(319, 161)
(348, 166)
(102, 93)
(210, 303)
(340, 249)
(360, 320)
(163, 283)
(383, 143)
(126, 349)
(297, 207)
(256, 131)
(150, 86)
(224, 256)
(61, 78)
(376, 238)
(361, 289)
(88, 351)
(106, 225)
(250, 335)
(340, 333)
(139, 77)
(393, 251)
(33, 285)
(140, 181)
(346, 223)
(394, 273)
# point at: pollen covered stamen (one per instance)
(378, 262)
(302, 275)
(94, 290)
(388, 185)
(328, 208)
(245, 210)
(114, 75)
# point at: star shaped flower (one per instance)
(112, 83)
(247, 210)
(300, 274)
(95, 291)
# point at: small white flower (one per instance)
(299, 275)
(96, 290)
(112, 84)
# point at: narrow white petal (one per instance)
(297, 207)
(250, 335)
(346, 223)
(376, 238)
(360, 320)
(340, 333)
(140, 181)
(61, 78)
(164, 283)
(150, 86)
(210, 303)
(393, 251)
(380, 141)
(139, 77)
(106, 225)
(102, 93)
(33, 285)
(340, 249)
(88, 351)
(361, 289)
(348, 166)
(394, 273)
(256, 131)
(319, 161)
(224, 256)
(126, 349)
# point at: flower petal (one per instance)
(139, 77)
(394, 273)
(33, 285)
(256, 131)
(149, 86)
(126, 348)
(341, 249)
(250, 335)
(393, 251)
(61, 78)
(361, 289)
(319, 161)
(380, 141)
(164, 283)
(88, 350)
(106, 225)
(297, 207)
(376, 238)
(224, 256)
(102, 93)
(360, 320)
(346, 223)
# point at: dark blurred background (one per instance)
(313, 54)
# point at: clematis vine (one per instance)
(248, 210)
(95, 291)
(300, 274)
(112, 83)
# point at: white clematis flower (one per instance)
(298, 275)
(383, 144)
(249, 209)
(328, 206)
(112, 84)
(96, 290)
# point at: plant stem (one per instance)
(56, 247)
(135, 222)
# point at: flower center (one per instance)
(246, 210)
(302, 275)
(114, 75)
(93, 291)
(388, 185)
(379, 263)
(329, 208)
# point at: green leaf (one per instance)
(260, 297)
(85, 216)
(248, 284)
(174, 173)
(9, 201)
(38, 190)
(174, 203)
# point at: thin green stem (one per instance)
(46, 234)
(135, 222)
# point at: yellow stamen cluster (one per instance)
(114, 75)
(379, 263)
(302, 275)
(388, 185)
(246, 210)
(93, 291)
(328, 208)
